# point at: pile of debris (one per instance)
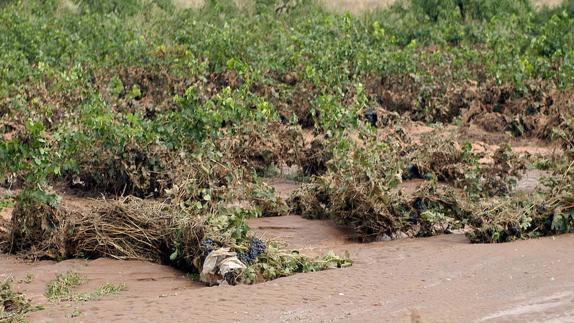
(215, 243)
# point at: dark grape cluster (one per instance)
(542, 208)
(371, 116)
(208, 245)
(256, 248)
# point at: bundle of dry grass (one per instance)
(4, 235)
(374, 213)
(317, 155)
(447, 161)
(133, 229)
(153, 231)
(565, 131)
(122, 229)
(434, 210)
(365, 209)
(384, 216)
(504, 220)
(310, 200)
(134, 170)
(36, 229)
(500, 177)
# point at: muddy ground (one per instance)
(440, 279)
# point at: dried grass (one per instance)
(129, 228)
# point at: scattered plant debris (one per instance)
(13, 305)
(62, 289)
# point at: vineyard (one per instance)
(154, 130)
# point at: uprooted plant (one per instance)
(361, 189)
(448, 161)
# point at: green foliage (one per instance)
(229, 225)
(102, 291)
(29, 197)
(62, 289)
(331, 52)
(266, 201)
(121, 7)
(274, 263)
(6, 200)
(199, 120)
(31, 155)
(529, 216)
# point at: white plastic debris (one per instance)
(219, 263)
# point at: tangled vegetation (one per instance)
(549, 212)
(172, 117)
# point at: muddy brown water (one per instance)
(440, 279)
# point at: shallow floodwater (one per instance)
(440, 279)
